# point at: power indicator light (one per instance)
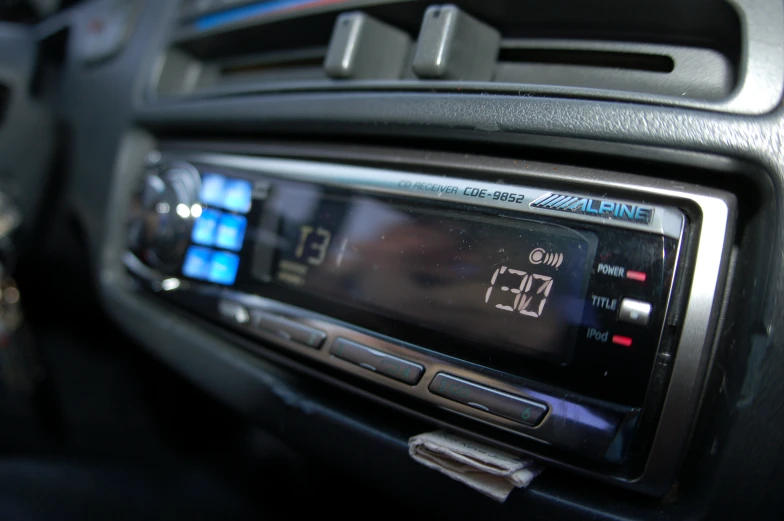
(636, 275)
(624, 341)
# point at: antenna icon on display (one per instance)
(539, 256)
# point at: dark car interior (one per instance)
(498, 259)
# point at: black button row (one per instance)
(493, 401)
(486, 399)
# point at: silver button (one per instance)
(376, 361)
(515, 408)
(289, 329)
(233, 312)
(635, 312)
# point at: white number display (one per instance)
(320, 245)
(304, 232)
(532, 285)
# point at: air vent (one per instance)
(643, 68)
(654, 50)
(284, 50)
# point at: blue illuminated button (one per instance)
(223, 269)
(237, 195)
(231, 231)
(205, 229)
(197, 262)
(212, 189)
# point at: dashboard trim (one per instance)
(664, 220)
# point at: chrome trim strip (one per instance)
(665, 220)
(694, 348)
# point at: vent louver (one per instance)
(678, 50)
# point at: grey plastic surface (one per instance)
(107, 30)
(365, 48)
(177, 73)
(453, 45)
(102, 104)
(45, 7)
(27, 121)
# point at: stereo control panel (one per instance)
(541, 312)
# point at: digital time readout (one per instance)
(517, 283)
(525, 294)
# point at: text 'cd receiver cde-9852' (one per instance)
(572, 323)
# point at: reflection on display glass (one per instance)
(516, 283)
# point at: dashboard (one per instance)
(552, 229)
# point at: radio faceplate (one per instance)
(279, 222)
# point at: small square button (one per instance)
(223, 269)
(231, 232)
(197, 262)
(237, 195)
(635, 312)
(206, 227)
(212, 189)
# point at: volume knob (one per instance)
(162, 212)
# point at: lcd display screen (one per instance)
(517, 284)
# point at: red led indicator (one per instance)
(636, 275)
(624, 341)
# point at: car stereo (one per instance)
(557, 309)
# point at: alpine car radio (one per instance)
(571, 312)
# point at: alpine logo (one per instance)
(595, 207)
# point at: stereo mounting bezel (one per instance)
(711, 215)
